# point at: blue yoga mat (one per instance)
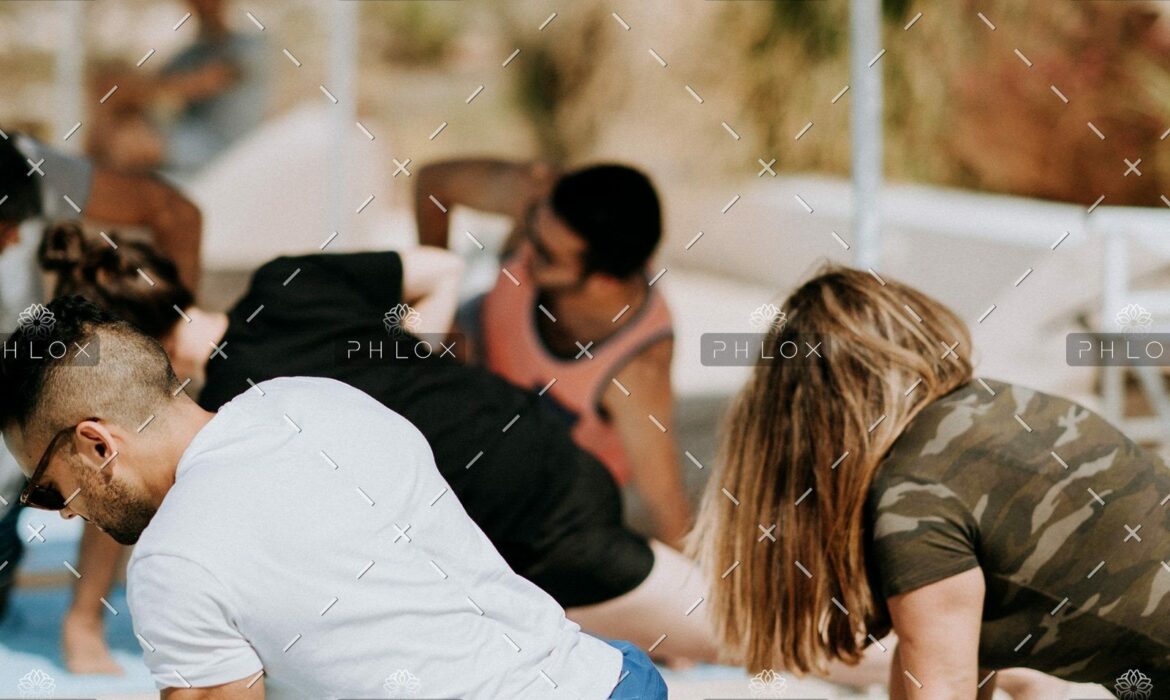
(29, 643)
(30, 655)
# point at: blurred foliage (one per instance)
(961, 108)
(820, 27)
(817, 26)
(1008, 131)
(556, 78)
(413, 33)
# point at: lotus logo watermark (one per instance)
(767, 317)
(36, 683)
(768, 684)
(1133, 319)
(37, 321)
(35, 340)
(766, 346)
(400, 320)
(402, 684)
(1133, 685)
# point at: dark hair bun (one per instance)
(63, 247)
(104, 270)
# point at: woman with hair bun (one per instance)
(109, 276)
(984, 523)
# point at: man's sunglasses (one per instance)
(42, 497)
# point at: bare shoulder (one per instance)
(654, 357)
(646, 377)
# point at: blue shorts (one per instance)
(640, 679)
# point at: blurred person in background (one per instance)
(38, 185)
(574, 315)
(204, 99)
(911, 496)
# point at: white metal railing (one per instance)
(1119, 227)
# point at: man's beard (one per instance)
(121, 514)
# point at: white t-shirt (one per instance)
(310, 534)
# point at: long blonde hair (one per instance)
(800, 447)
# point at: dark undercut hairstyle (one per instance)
(43, 391)
(23, 193)
(88, 266)
(615, 209)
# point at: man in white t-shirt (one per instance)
(300, 541)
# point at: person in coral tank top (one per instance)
(574, 314)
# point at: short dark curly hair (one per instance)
(615, 209)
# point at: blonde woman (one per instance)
(987, 525)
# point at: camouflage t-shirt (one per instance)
(1067, 518)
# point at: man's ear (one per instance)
(95, 443)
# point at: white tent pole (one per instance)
(865, 30)
(1115, 270)
(343, 57)
(69, 77)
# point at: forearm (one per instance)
(100, 557)
(641, 406)
(486, 184)
(658, 481)
(928, 676)
(672, 515)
